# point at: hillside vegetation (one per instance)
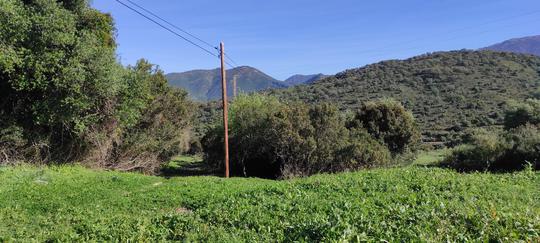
(395, 205)
(448, 92)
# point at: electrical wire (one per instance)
(168, 29)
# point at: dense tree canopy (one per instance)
(63, 94)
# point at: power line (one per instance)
(228, 63)
(168, 29)
(230, 59)
(173, 25)
(180, 29)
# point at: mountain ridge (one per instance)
(525, 45)
(205, 85)
(304, 79)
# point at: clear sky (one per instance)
(282, 38)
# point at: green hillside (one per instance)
(69, 204)
(204, 85)
(447, 91)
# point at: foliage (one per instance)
(536, 94)
(525, 142)
(163, 132)
(273, 139)
(389, 122)
(394, 205)
(64, 97)
(512, 149)
(447, 92)
(482, 153)
(521, 113)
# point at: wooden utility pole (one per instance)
(225, 107)
(234, 86)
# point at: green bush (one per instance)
(64, 97)
(536, 94)
(163, 132)
(275, 140)
(521, 113)
(512, 149)
(389, 122)
(525, 148)
(483, 152)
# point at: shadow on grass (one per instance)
(191, 165)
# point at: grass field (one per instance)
(431, 157)
(402, 204)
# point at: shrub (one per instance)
(363, 151)
(275, 140)
(389, 122)
(162, 132)
(508, 150)
(536, 94)
(525, 148)
(483, 152)
(248, 133)
(519, 114)
(11, 142)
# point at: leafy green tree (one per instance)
(64, 96)
(389, 122)
(55, 71)
(521, 113)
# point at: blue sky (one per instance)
(282, 38)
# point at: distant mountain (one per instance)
(205, 85)
(446, 91)
(526, 45)
(304, 79)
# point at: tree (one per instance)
(521, 113)
(389, 122)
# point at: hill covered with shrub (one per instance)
(447, 92)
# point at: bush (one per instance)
(483, 152)
(525, 148)
(271, 139)
(536, 94)
(519, 114)
(64, 97)
(389, 122)
(512, 149)
(163, 132)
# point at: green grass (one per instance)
(186, 165)
(182, 161)
(402, 204)
(431, 157)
